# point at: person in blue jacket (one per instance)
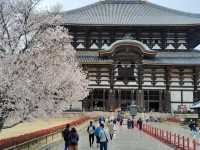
(97, 131)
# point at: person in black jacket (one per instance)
(139, 123)
(73, 139)
(91, 131)
(65, 134)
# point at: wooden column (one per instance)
(140, 93)
(195, 81)
(167, 92)
(111, 91)
(120, 100)
(104, 100)
(92, 101)
(132, 96)
(140, 100)
(160, 101)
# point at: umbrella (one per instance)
(195, 105)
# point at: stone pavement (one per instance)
(125, 139)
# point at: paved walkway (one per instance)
(124, 140)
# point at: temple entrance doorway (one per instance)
(127, 98)
(152, 99)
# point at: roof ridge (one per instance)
(123, 1)
(105, 9)
(179, 12)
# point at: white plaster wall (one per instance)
(175, 79)
(187, 84)
(119, 83)
(104, 83)
(187, 96)
(132, 83)
(160, 79)
(160, 83)
(147, 83)
(104, 73)
(105, 78)
(92, 82)
(92, 78)
(174, 107)
(93, 74)
(175, 84)
(176, 96)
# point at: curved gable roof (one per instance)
(128, 12)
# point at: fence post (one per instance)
(174, 138)
(167, 136)
(161, 134)
(183, 142)
(170, 137)
(188, 144)
(178, 141)
(194, 145)
(158, 133)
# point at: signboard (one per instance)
(182, 108)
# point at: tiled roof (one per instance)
(163, 58)
(128, 12)
(179, 58)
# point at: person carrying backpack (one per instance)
(97, 131)
(73, 139)
(91, 131)
(65, 134)
(104, 138)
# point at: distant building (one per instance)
(137, 52)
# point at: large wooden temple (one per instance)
(136, 52)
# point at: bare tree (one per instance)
(20, 24)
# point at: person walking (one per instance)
(97, 131)
(111, 129)
(65, 134)
(132, 123)
(139, 123)
(73, 139)
(193, 128)
(129, 123)
(103, 135)
(91, 131)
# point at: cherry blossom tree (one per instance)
(39, 71)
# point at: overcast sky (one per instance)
(184, 5)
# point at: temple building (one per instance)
(137, 52)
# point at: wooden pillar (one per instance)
(132, 97)
(167, 93)
(140, 93)
(167, 101)
(140, 100)
(111, 100)
(195, 81)
(104, 100)
(120, 99)
(92, 101)
(160, 101)
(111, 91)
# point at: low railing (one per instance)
(38, 139)
(176, 140)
